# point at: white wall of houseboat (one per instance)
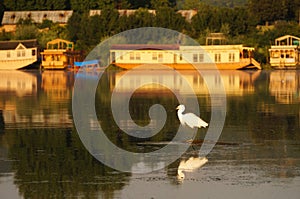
(143, 56)
(21, 52)
(284, 55)
(17, 58)
(185, 55)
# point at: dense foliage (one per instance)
(238, 23)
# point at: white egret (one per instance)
(189, 119)
(190, 165)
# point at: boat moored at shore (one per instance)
(18, 54)
(285, 54)
(60, 54)
(214, 55)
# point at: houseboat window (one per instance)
(18, 53)
(8, 54)
(195, 58)
(138, 56)
(218, 57)
(292, 54)
(154, 56)
(121, 57)
(160, 57)
(287, 55)
(33, 52)
(23, 53)
(275, 54)
(131, 56)
(113, 56)
(245, 54)
(231, 57)
(180, 57)
(201, 57)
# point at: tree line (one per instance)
(261, 11)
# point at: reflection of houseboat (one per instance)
(17, 54)
(285, 86)
(18, 82)
(285, 53)
(60, 54)
(235, 82)
(57, 84)
(183, 57)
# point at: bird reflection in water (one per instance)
(189, 165)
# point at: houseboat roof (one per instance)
(59, 16)
(145, 47)
(60, 44)
(287, 40)
(11, 45)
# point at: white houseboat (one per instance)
(182, 57)
(17, 54)
(285, 54)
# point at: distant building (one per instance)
(187, 14)
(11, 18)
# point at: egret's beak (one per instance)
(177, 107)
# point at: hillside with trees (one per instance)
(242, 23)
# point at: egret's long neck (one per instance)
(179, 114)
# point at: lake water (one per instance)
(257, 154)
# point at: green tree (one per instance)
(270, 10)
(188, 4)
(2, 8)
(5, 36)
(109, 20)
(200, 22)
(55, 31)
(74, 26)
(27, 31)
(83, 5)
(157, 4)
(167, 17)
(141, 18)
(135, 4)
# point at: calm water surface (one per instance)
(257, 156)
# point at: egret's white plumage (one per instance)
(189, 119)
(190, 165)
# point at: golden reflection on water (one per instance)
(45, 158)
(235, 82)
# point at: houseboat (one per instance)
(182, 57)
(60, 54)
(18, 54)
(285, 54)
